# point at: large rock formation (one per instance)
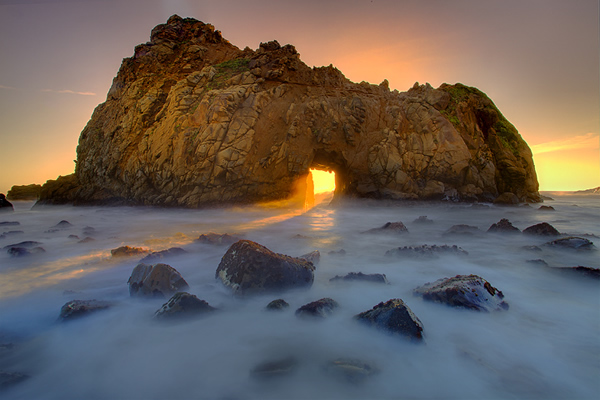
(192, 120)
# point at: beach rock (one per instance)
(503, 226)
(391, 227)
(78, 308)
(321, 308)
(277, 305)
(462, 229)
(314, 257)
(423, 220)
(249, 268)
(394, 316)
(127, 251)
(160, 255)
(183, 305)
(217, 239)
(426, 251)
(350, 369)
(275, 368)
(465, 291)
(5, 205)
(359, 276)
(573, 243)
(191, 120)
(158, 280)
(546, 208)
(541, 229)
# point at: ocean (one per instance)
(545, 346)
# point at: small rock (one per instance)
(8, 379)
(64, 224)
(503, 226)
(546, 208)
(394, 316)
(423, 220)
(79, 308)
(538, 261)
(466, 291)
(541, 229)
(340, 252)
(126, 251)
(351, 370)
(9, 223)
(393, 227)
(159, 255)
(183, 304)
(86, 239)
(320, 308)
(22, 252)
(26, 244)
(217, 239)
(572, 242)
(426, 251)
(359, 276)
(275, 369)
(73, 237)
(531, 248)
(314, 257)
(158, 280)
(462, 229)
(277, 305)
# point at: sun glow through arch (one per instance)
(324, 181)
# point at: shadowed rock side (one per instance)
(191, 120)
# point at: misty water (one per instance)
(546, 345)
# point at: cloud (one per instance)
(66, 91)
(587, 141)
(7, 87)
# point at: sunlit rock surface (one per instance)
(191, 120)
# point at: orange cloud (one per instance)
(587, 141)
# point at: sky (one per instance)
(538, 60)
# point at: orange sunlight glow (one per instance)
(324, 181)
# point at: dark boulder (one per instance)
(462, 229)
(503, 226)
(5, 205)
(160, 255)
(184, 305)
(158, 280)
(395, 317)
(250, 268)
(22, 251)
(573, 243)
(359, 276)
(546, 208)
(390, 227)
(465, 291)
(426, 251)
(320, 308)
(217, 239)
(541, 229)
(79, 308)
(277, 305)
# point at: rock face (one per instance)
(192, 120)
(158, 280)
(249, 268)
(24, 192)
(465, 291)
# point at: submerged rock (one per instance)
(249, 268)
(340, 252)
(541, 229)
(584, 271)
(573, 243)
(183, 305)
(158, 280)
(79, 308)
(22, 251)
(9, 379)
(503, 226)
(391, 227)
(160, 255)
(275, 368)
(359, 276)
(217, 239)
(426, 251)
(351, 370)
(394, 316)
(26, 244)
(64, 224)
(465, 291)
(127, 251)
(462, 229)
(423, 220)
(321, 308)
(277, 305)
(546, 208)
(10, 223)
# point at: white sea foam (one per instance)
(547, 345)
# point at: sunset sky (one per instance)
(538, 60)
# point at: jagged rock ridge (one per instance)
(191, 120)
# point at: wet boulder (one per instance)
(321, 308)
(79, 308)
(217, 239)
(541, 229)
(183, 305)
(127, 251)
(359, 276)
(503, 226)
(160, 255)
(573, 243)
(277, 305)
(462, 229)
(464, 291)
(426, 251)
(390, 227)
(158, 280)
(395, 317)
(250, 268)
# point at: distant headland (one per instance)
(191, 120)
